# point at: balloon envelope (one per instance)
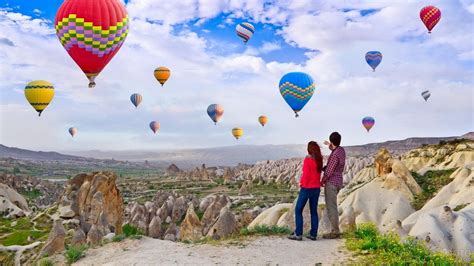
(154, 126)
(92, 32)
(72, 131)
(430, 16)
(297, 88)
(263, 120)
(426, 95)
(237, 132)
(245, 31)
(162, 74)
(215, 112)
(368, 122)
(39, 94)
(373, 58)
(136, 99)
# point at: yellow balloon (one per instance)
(39, 94)
(263, 120)
(237, 132)
(162, 74)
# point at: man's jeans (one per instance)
(311, 194)
(330, 195)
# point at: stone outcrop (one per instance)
(173, 170)
(191, 227)
(225, 225)
(212, 212)
(56, 238)
(12, 204)
(95, 202)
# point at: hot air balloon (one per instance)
(245, 31)
(373, 58)
(39, 94)
(92, 31)
(426, 95)
(72, 131)
(136, 99)
(296, 88)
(155, 126)
(237, 132)
(162, 74)
(430, 15)
(368, 122)
(215, 112)
(262, 120)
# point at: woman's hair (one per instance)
(315, 152)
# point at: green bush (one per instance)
(265, 230)
(130, 230)
(431, 182)
(118, 238)
(74, 253)
(388, 249)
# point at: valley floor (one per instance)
(259, 251)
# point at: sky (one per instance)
(209, 64)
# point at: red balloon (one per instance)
(430, 15)
(92, 32)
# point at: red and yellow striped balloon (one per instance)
(430, 15)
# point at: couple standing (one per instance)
(311, 182)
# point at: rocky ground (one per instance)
(261, 251)
(426, 193)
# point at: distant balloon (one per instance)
(136, 99)
(39, 94)
(72, 131)
(162, 74)
(373, 58)
(297, 88)
(92, 32)
(368, 122)
(430, 15)
(263, 120)
(245, 31)
(155, 126)
(215, 112)
(426, 95)
(237, 132)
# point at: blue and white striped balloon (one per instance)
(136, 99)
(245, 31)
(373, 58)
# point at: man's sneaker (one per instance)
(295, 237)
(332, 235)
(311, 237)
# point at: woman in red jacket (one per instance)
(309, 190)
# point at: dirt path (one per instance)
(261, 251)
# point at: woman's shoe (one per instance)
(295, 237)
(311, 237)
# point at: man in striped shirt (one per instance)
(332, 181)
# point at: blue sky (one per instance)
(196, 40)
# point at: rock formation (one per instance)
(191, 227)
(93, 203)
(225, 225)
(12, 204)
(55, 243)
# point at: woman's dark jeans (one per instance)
(311, 194)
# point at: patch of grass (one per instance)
(388, 249)
(130, 230)
(460, 207)
(32, 194)
(265, 230)
(199, 214)
(118, 238)
(44, 262)
(21, 237)
(431, 182)
(74, 253)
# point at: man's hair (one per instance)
(335, 138)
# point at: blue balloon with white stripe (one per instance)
(245, 31)
(373, 58)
